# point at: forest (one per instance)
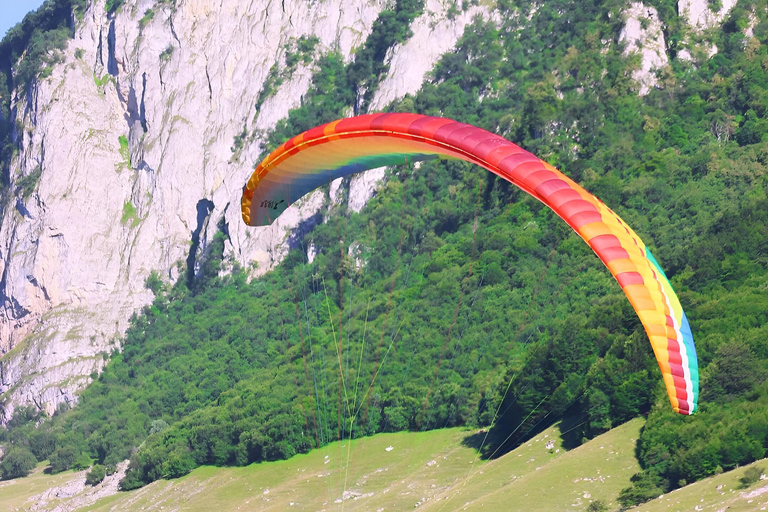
(454, 299)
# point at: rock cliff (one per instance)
(643, 34)
(703, 14)
(133, 139)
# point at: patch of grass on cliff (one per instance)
(125, 154)
(149, 15)
(27, 184)
(299, 50)
(104, 80)
(129, 215)
(113, 5)
(123, 140)
(166, 54)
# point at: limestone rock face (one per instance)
(643, 34)
(434, 33)
(134, 144)
(137, 140)
(700, 14)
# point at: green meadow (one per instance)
(435, 470)
(716, 494)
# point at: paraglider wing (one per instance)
(352, 145)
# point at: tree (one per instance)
(42, 443)
(751, 475)
(735, 371)
(62, 459)
(599, 407)
(19, 462)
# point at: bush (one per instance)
(155, 284)
(165, 55)
(27, 184)
(646, 487)
(19, 462)
(149, 14)
(113, 5)
(597, 506)
(751, 475)
(95, 475)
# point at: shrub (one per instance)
(19, 462)
(113, 5)
(597, 506)
(95, 475)
(156, 285)
(82, 462)
(149, 14)
(751, 475)
(165, 56)
(646, 487)
(27, 184)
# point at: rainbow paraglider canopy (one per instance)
(347, 146)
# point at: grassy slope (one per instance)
(14, 494)
(704, 496)
(435, 470)
(533, 479)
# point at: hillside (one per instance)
(418, 298)
(126, 129)
(434, 470)
(721, 492)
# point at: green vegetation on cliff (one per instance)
(29, 51)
